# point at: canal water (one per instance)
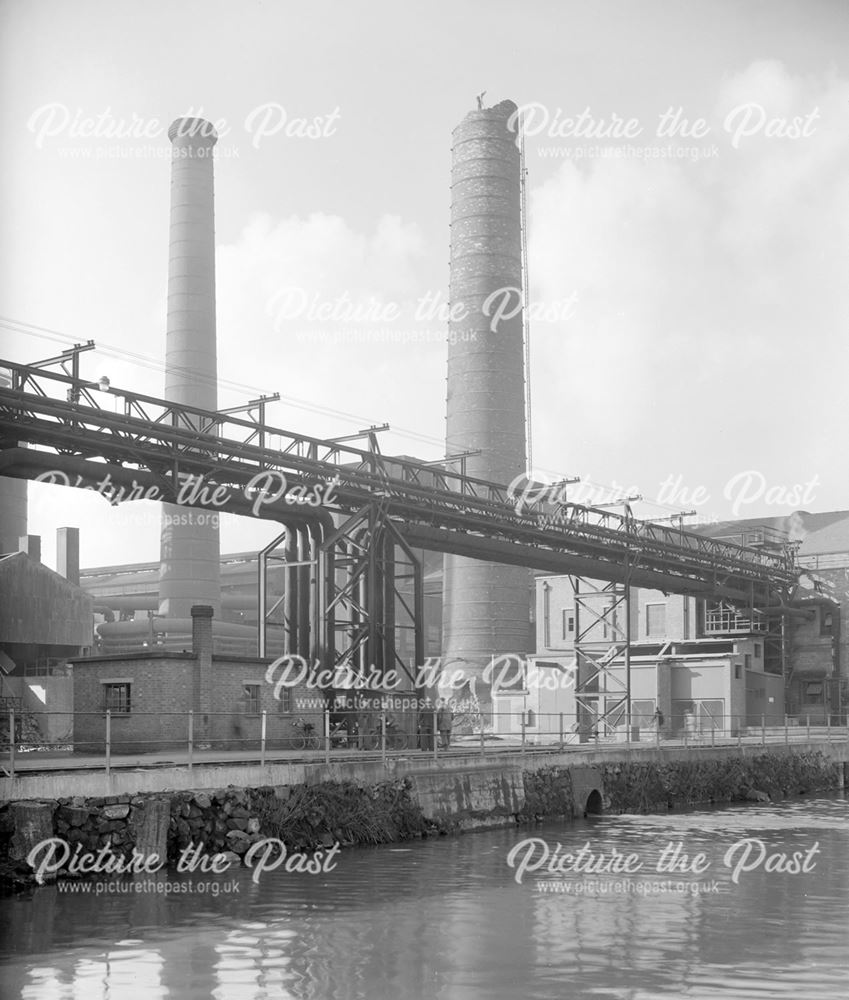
(762, 914)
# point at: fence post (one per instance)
(739, 733)
(191, 737)
(434, 736)
(685, 732)
(763, 730)
(828, 724)
(522, 750)
(808, 731)
(262, 733)
(483, 749)
(561, 730)
(327, 734)
(712, 734)
(786, 731)
(12, 744)
(383, 736)
(108, 741)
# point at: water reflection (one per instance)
(446, 919)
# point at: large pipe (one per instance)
(150, 602)
(290, 593)
(169, 626)
(189, 545)
(316, 590)
(303, 578)
(486, 607)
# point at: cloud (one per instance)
(329, 317)
(709, 295)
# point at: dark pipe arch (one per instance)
(594, 804)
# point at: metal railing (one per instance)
(108, 740)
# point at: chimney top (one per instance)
(193, 131)
(202, 611)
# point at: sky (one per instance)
(688, 228)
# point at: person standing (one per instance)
(426, 725)
(444, 721)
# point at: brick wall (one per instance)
(235, 720)
(164, 687)
(161, 694)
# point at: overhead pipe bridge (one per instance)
(155, 443)
(374, 503)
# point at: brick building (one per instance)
(150, 694)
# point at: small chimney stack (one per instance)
(68, 554)
(202, 615)
(31, 544)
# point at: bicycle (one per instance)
(307, 738)
(396, 739)
(344, 737)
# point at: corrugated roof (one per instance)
(788, 524)
(833, 537)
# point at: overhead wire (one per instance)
(150, 362)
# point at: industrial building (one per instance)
(351, 586)
(711, 668)
(45, 618)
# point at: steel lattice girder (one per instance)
(593, 660)
(362, 581)
(155, 441)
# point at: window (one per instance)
(711, 714)
(655, 619)
(250, 697)
(568, 622)
(738, 671)
(758, 652)
(116, 697)
(642, 713)
(813, 693)
(284, 699)
(614, 712)
(747, 660)
(826, 623)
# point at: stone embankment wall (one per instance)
(321, 813)
(653, 787)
